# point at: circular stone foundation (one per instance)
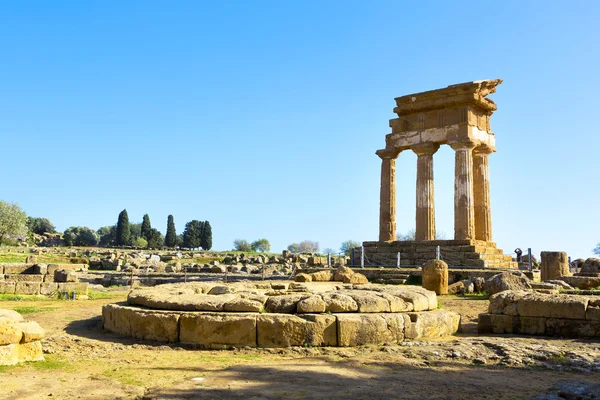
(280, 314)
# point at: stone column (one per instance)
(425, 217)
(481, 193)
(387, 202)
(464, 213)
(554, 265)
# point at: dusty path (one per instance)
(85, 363)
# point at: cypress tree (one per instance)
(171, 237)
(206, 237)
(146, 226)
(191, 234)
(123, 236)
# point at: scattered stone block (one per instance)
(321, 276)
(10, 332)
(554, 265)
(32, 331)
(312, 304)
(435, 276)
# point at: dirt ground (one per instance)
(83, 362)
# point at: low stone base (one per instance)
(227, 329)
(459, 253)
(12, 354)
(531, 313)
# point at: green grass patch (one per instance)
(95, 295)
(51, 363)
(126, 377)
(12, 258)
(22, 297)
(33, 310)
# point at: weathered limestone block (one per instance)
(421, 299)
(218, 329)
(553, 306)
(554, 265)
(572, 328)
(23, 278)
(18, 268)
(162, 326)
(27, 288)
(302, 277)
(484, 323)
(11, 314)
(312, 304)
(505, 299)
(369, 302)
(221, 289)
(53, 267)
(7, 287)
(339, 303)
(396, 304)
(285, 304)
(355, 279)
(31, 331)
(591, 267)
(65, 275)
(243, 305)
(9, 331)
(117, 318)
(31, 259)
(281, 330)
(507, 281)
(342, 272)
(593, 310)
(435, 276)
(321, 276)
(48, 288)
(363, 329)
(41, 269)
(532, 325)
(456, 288)
(432, 324)
(581, 282)
(9, 354)
(31, 351)
(504, 323)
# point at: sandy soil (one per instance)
(82, 362)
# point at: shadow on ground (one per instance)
(323, 379)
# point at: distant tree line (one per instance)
(16, 226)
(259, 245)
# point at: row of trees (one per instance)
(16, 225)
(259, 245)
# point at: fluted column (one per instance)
(425, 215)
(464, 213)
(481, 193)
(387, 202)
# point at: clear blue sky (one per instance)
(263, 116)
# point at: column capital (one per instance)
(425, 148)
(462, 145)
(483, 150)
(388, 154)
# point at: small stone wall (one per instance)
(20, 341)
(38, 279)
(280, 314)
(531, 313)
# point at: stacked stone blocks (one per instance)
(40, 279)
(344, 316)
(531, 313)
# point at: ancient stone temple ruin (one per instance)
(458, 116)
